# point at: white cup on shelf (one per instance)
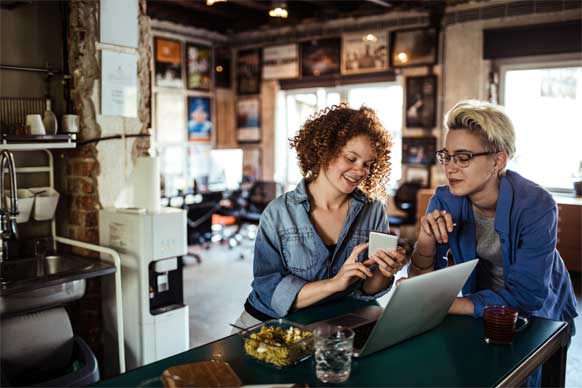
(34, 125)
(70, 123)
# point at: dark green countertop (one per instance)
(452, 354)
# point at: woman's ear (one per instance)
(500, 161)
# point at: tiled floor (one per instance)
(216, 289)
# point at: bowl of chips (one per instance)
(278, 342)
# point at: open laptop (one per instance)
(417, 305)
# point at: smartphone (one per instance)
(383, 241)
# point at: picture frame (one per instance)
(252, 159)
(421, 97)
(222, 67)
(248, 120)
(281, 62)
(364, 52)
(198, 65)
(421, 175)
(419, 150)
(248, 72)
(170, 109)
(168, 62)
(199, 119)
(413, 47)
(320, 57)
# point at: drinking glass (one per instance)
(333, 353)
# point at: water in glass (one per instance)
(333, 353)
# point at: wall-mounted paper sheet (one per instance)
(118, 84)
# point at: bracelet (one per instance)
(418, 267)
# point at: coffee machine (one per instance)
(151, 246)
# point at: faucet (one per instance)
(8, 229)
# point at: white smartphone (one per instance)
(382, 241)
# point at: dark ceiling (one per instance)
(236, 16)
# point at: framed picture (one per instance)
(251, 164)
(419, 150)
(421, 102)
(222, 67)
(199, 119)
(320, 57)
(168, 62)
(248, 120)
(170, 111)
(364, 52)
(281, 62)
(248, 72)
(418, 174)
(199, 63)
(414, 47)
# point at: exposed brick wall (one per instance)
(82, 165)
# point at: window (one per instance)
(294, 107)
(544, 102)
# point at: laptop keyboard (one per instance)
(362, 333)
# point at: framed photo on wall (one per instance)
(421, 102)
(418, 174)
(364, 52)
(222, 67)
(281, 62)
(248, 72)
(199, 119)
(320, 57)
(413, 47)
(251, 164)
(168, 62)
(419, 150)
(199, 63)
(248, 120)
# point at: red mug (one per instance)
(501, 324)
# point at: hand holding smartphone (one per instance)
(382, 241)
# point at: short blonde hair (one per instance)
(487, 120)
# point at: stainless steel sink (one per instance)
(36, 283)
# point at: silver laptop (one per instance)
(417, 305)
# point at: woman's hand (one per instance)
(352, 270)
(434, 227)
(389, 262)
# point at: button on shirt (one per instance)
(290, 253)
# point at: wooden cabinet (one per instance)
(569, 242)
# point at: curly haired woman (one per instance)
(311, 244)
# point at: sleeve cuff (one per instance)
(478, 305)
(359, 294)
(285, 294)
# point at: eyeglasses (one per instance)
(461, 159)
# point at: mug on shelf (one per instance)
(34, 125)
(70, 123)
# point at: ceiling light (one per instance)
(219, 69)
(212, 2)
(279, 10)
(402, 57)
(370, 38)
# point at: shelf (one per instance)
(36, 146)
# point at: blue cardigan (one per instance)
(536, 279)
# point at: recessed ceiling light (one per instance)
(402, 57)
(279, 10)
(212, 2)
(370, 38)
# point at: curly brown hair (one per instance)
(322, 137)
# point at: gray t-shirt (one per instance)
(490, 267)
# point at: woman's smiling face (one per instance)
(352, 166)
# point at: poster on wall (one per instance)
(251, 165)
(199, 119)
(364, 52)
(281, 62)
(248, 120)
(320, 57)
(170, 123)
(419, 150)
(168, 62)
(199, 63)
(248, 72)
(413, 47)
(421, 102)
(222, 67)
(118, 84)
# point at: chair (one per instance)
(405, 200)
(199, 219)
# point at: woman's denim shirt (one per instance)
(289, 252)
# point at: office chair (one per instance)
(199, 220)
(254, 203)
(405, 200)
